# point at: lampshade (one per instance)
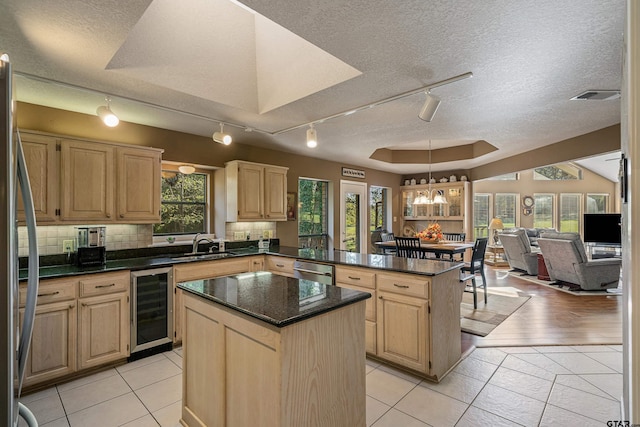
(186, 169)
(312, 137)
(429, 108)
(439, 198)
(221, 137)
(496, 224)
(106, 115)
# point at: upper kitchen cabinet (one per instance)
(138, 184)
(255, 192)
(88, 181)
(77, 182)
(42, 166)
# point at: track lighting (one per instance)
(106, 115)
(312, 137)
(429, 108)
(186, 169)
(221, 137)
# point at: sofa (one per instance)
(567, 261)
(519, 252)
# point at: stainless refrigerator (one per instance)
(15, 333)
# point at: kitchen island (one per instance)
(260, 349)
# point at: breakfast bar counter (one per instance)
(263, 349)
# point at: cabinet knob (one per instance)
(121, 215)
(108, 215)
(380, 297)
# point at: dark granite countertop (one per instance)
(380, 262)
(275, 299)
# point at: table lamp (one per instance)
(495, 225)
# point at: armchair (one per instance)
(518, 252)
(567, 261)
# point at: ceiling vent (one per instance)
(597, 95)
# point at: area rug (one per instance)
(566, 288)
(501, 303)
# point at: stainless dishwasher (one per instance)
(309, 270)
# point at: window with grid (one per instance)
(184, 204)
(506, 208)
(596, 203)
(570, 212)
(543, 209)
(378, 208)
(313, 221)
(481, 214)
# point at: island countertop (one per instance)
(275, 299)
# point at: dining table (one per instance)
(439, 249)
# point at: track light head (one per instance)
(429, 108)
(106, 115)
(221, 137)
(312, 137)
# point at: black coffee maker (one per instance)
(91, 244)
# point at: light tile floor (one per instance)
(508, 386)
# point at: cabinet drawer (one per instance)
(280, 265)
(52, 290)
(208, 269)
(404, 284)
(356, 276)
(107, 283)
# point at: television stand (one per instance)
(604, 250)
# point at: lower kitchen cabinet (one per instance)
(81, 322)
(103, 328)
(280, 265)
(363, 280)
(402, 330)
(53, 344)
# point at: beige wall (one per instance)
(186, 148)
(527, 186)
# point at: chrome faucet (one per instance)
(197, 241)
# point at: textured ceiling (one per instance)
(528, 60)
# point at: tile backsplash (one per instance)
(119, 236)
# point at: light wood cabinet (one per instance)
(238, 371)
(256, 263)
(280, 265)
(453, 217)
(42, 166)
(78, 182)
(364, 280)
(255, 192)
(52, 353)
(103, 323)
(202, 270)
(81, 322)
(88, 173)
(138, 184)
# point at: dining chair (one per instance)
(475, 266)
(455, 237)
(388, 237)
(408, 247)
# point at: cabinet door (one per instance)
(256, 263)
(42, 167)
(139, 182)
(52, 353)
(103, 329)
(402, 330)
(250, 191)
(87, 181)
(275, 196)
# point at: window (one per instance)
(481, 214)
(596, 203)
(379, 208)
(570, 212)
(184, 204)
(543, 210)
(313, 222)
(560, 172)
(506, 209)
(514, 176)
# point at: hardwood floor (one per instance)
(551, 317)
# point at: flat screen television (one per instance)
(603, 228)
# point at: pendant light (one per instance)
(429, 198)
(221, 137)
(106, 115)
(186, 169)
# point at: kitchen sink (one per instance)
(201, 256)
